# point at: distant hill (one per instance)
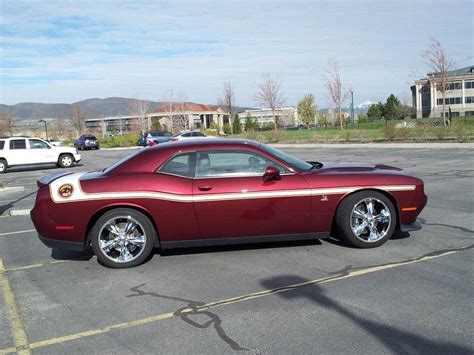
(111, 106)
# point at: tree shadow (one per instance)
(395, 339)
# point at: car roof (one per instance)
(200, 143)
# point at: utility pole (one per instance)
(352, 107)
(45, 127)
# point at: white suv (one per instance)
(27, 151)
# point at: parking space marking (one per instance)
(32, 266)
(160, 317)
(18, 232)
(20, 338)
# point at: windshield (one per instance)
(292, 161)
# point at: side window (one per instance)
(2, 144)
(17, 144)
(232, 163)
(37, 144)
(186, 135)
(198, 134)
(181, 165)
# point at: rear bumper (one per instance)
(415, 226)
(61, 244)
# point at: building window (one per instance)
(469, 99)
(469, 113)
(469, 84)
(450, 101)
(453, 86)
(425, 90)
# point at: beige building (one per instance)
(288, 116)
(427, 98)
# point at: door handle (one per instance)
(205, 188)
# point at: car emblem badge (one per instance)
(65, 190)
(324, 198)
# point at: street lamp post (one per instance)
(352, 107)
(45, 127)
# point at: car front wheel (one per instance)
(65, 160)
(123, 238)
(366, 219)
(3, 166)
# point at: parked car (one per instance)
(189, 135)
(16, 151)
(86, 142)
(203, 192)
(54, 142)
(155, 136)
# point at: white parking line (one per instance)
(19, 232)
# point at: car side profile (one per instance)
(20, 151)
(222, 191)
(185, 135)
(154, 136)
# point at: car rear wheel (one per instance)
(3, 166)
(123, 238)
(366, 219)
(65, 160)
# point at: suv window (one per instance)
(2, 144)
(17, 144)
(92, 138)
(37, 144)
(181, 165)
(232, 163)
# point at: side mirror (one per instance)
(271, 173)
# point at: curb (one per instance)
(12, 189)
(122, 148)
(25, 212)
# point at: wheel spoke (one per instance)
(358, 214)
(114, 229)
(359, 229)
(138, 241)
(107, 245)
(383, 216)
(374, 234)
(125, 254)
(129, 227)
(370, 206)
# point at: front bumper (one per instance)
(415, 226)
(61, 244)
(77, 158)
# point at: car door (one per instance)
(40, 152)
(17, 152)
(231, 199)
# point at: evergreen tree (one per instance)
(236, 124)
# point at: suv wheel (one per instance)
(65, 160)
(3, 166)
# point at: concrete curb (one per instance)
(122, 148)
(8, 189)
(25, 212)
(375, 145)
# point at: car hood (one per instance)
(350, 167)
(64, 149)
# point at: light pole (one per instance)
(45, 127)
(352, 107)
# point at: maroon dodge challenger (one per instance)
(221, 192)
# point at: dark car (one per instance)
(217, 191)
(86, 142)
(155, 136)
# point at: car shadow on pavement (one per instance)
(6, 207)
(336, 240)
(236, 247)
(397, 340)
(63, 254)
(17, 169)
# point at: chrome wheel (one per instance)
(122, 239)
(370, 220)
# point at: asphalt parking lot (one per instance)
(412, 295)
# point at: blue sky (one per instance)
(67, 51)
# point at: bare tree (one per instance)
(168, 99)
(140, 108)
(6, 123)
(270, 95)
(333, 84)
(227, 102)
(77, 118)
(181, 106)
(440, 63)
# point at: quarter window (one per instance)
(181, 165)
(2, 144)
(232, 163)
(17, 144)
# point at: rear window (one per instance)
(91, 138)
(2, 144)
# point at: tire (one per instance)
(113, 247)
(66, 160)
(3, 166)
(362, 226)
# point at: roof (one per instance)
(459, 72)
(188, 106)
(206, 142)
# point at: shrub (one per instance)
(127, 140)
(210, 132)
(275, 135)
(227, 128)
(440, 132)
(347, 135)
(460, 132)
(404, 133)
(251, 134)
(236, 124)
(389, 131)
(422, 132)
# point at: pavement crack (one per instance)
(192, 309)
